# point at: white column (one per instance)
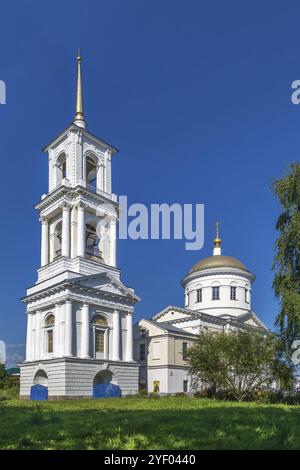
(129, 338)
(116, 336)
(57, 333)
(113, 242)
(85, 331)
(73, 232)
(82, 158)
(100, 184)
(29, 339)
(80, 230)
(45, 242)
(51, 247)
(62, 329)
(38, 334)
(106, 344)
(65, 249)
(108, 172)
(68, 328)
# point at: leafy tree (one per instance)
(5, 379)
(8, 382)
(286, 264)
(3, 375)
(238, 362)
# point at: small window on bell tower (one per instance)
(92, 241)
(49, 328)
(61, 168)
(91, 172)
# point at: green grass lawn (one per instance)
(165, 423)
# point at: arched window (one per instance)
(49, 327)
(57, 239)
(100, 326)
(41, 378)
(103, 377)
(50, 320)
(91, 172)
(61, 168)
(100, 320)
(247, 293)
(187, 298)
(92, 240)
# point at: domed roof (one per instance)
(218, 261)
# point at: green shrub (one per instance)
(212, 393)
(274, 397)
(142, 394)
(10, 393)
(137, 395)
(154, 395)
(258, 396)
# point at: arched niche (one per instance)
(61, 168)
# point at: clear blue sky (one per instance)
(195, 94)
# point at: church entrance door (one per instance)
(39, 390)
(103, 386)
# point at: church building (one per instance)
(79, 312)
(81, 342)
(218, 295)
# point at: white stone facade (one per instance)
(69, 378)
(224, 278)
(79, 313)
(217, 294)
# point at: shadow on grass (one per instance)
(97, 426)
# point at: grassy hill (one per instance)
(135, 423)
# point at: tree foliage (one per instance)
(286, 264)
(3, 375)
(7, 381)
(238, 362)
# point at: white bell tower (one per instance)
(79, 213)
(79, 312)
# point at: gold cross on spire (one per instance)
(217, 240)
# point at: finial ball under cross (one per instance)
(217, 240)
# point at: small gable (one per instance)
(251, 322)
(171, 314)
(151, 328)
(252, 319)
(105, 283)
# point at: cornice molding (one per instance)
(217, 271)
(72, 128)
(82, 293)
(205, 317)
(67, 194)
(72, 297)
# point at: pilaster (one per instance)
(116, 336)
(85, 331)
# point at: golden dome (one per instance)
(218, 261)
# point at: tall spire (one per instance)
(217, 242)
(79, 117)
